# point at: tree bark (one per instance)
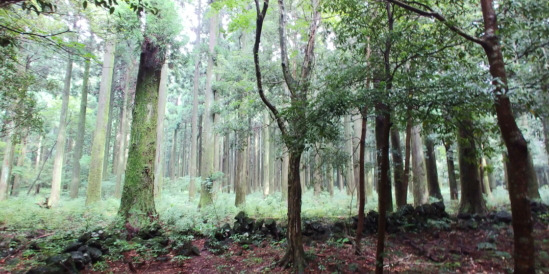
(137, 206)
(207, 162)
(401, 190)
(99, 137)
(75, 182)
(349, 172)
(418, 162)
(452, 182)
(383, 124)
(431, 164)
(159, 156)
(361, 182)
(6, 168)
(55, 193)
(472, 201)
(122, 146)
(105, 170)
(17, 178)
(193, 156)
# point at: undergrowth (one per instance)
(175, 210)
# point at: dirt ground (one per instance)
(459, 250)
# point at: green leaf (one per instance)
(85, 4)
(111, 10)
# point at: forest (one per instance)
(288, 136)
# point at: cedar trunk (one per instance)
(383, 124)
(361, 175)
(401, 189)
(452, 182)
(75, 182)
(137, 206)
(431, 164)
(472, 201)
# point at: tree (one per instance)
(95, 177)
(137, 207)
(75, 182)
(517, 148)
(293, 125)
(55, 194)
(208, 137)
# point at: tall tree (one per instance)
(159, 157)
(517, 147)
(293, 125)
(78, 147)
(95, 176)
(207, 163)
(137, 206)
(55, 193)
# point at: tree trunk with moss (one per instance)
(401, 190)
(95, 176)
(349, 172)
(75, 182)
(472, 201)
(137, 206)
(57, 175)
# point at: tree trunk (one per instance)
(105, 170)
(517, 148)
(21, 164)
(6, 168)
(295, 253)
(431, 164)
(533, 183)
(267, 176)
(317, 175)
(159, 157)
(241, 180)
(55, 193)
(122, 146)
(361, 176)
(285, 162)
(408, 152)
(137, 204)
(383, 124)
(75, 182)
(349, 174)
(401, 190)
(99, 137)
(173, 155)
(485, 184)
(418, 166)
(472, 201)
(207, 162)
(452, 182)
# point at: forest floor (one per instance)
(486, 248)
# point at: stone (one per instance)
(72, 247)
(80, 259)
(503, 217)
(48, 269)
(187, 249)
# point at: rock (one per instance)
(240, 216)
(464, 216)
(80, 259)
(223, 233)
(84, 237)
(95, 254)
(72, 247)
(187, 249)
(503, 217)
(151, 231)
(48, 269)
(59, 259)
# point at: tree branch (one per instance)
(441, 18)
(258, 29)
(283, 48)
